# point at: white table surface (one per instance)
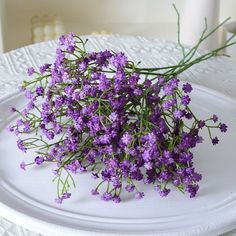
(13, 66)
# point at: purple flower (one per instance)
(164, 192)
(167, 154)
(19, 122)
(169, 103)
(188, 115)
(168, 90)
(104, 83)
(55, 172)
(94, 192)
(170, 87)
(116, 199)
(39, 91)
(16, 132)
(83, 169)
(22, 165)
(164, 175)
(215, 118)
(116, 182)
(26, 126)
(133, 80)
(138, 91)
(174, 82)
(58, 128)
(13, 109)
(139, 195)
(106, 196)
(30, 106)
(201, 124)
(126, 139)
(192, 190)
(215, 141)
(187, 88)
(69, 89)
(50, 135)
(21, 145)
(30, 71)
(148, 165)
(129, 188)
(157, 188)
(113, 116)
(64, 196)
(68, 41)
(39, 160)
(44, 68)
(10, 129)
(178, 114)
(29, 94)
(176, 182)
(119, 60)
(147, 83)
(59, 200)
(223, 128)
(185, 100)
(83, 65)
(105, 139)
(62, 39)
(94, 175)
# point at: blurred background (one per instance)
(24, 22)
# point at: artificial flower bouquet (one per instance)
(101, 113)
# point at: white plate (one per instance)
(27, 198)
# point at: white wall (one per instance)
(2, 24)
(85, 16)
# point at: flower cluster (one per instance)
(97, 112)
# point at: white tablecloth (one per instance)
(154, 52)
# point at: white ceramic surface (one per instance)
(211, 213)
(214, 209)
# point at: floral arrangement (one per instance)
(100, 112)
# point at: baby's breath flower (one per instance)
(98, 113)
